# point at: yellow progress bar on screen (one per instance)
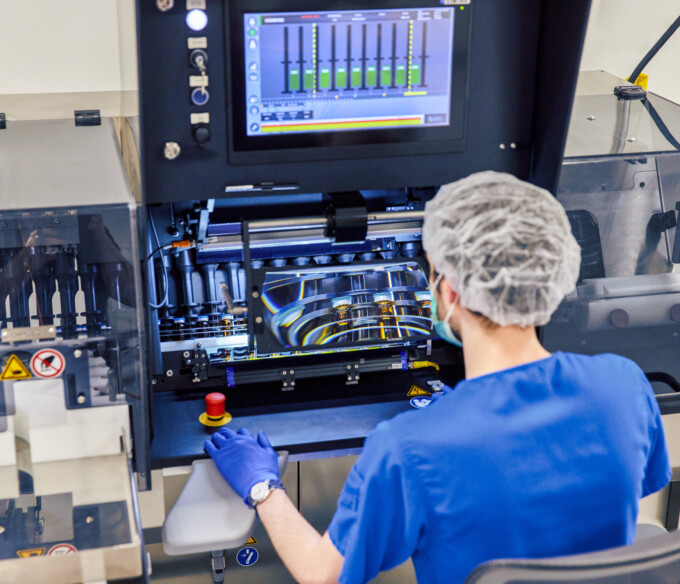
(412, 93)
(343, 125)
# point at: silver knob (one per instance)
(172, 150)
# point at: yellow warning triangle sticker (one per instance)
(416, 391)
(14, 369)
(251, 541)
(34, 553)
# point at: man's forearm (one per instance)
(310, 557)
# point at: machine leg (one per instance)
(673, 513)
(218, 564)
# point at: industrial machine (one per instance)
(288, 150)
(73, 402)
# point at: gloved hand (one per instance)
(243, 460)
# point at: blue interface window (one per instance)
(337, 71)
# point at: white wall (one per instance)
(620, 33)
(53, 46)
(61, 46)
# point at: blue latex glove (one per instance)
(242, 459)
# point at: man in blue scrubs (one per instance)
(532, 455)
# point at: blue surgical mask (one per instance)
(442, 327)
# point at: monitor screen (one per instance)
(346, 83)
(342, 70)
(335, 306)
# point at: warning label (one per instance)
(251, 541)
(62, 549)
(48, 363)
(14, 369)
(416, 391)
(34, 553)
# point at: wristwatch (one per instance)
(261, 491)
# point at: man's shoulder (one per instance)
(606, 363)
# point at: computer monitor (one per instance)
(335, 83)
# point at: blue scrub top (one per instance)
(545, 459)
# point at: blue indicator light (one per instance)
(197, 19)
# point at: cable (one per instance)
(656, 118)
(166, 284)
(654, 50)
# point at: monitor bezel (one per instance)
(244, 149)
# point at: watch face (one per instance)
(259, 491)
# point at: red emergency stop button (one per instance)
(214, 406)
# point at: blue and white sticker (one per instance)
(421, 402)
(247, 556)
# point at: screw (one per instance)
(561, 189)
(4, 224)
(57, 221)
(284, 373)
(292, 372)
(502, 146)
(2, 529)
(256, 294)
(285, 385)
(81, 399)
(199, 345)
(349, 366)
(591, 118)
(631, 139)
(169, 373)
(186, 354)
(603, 187)
(292, 383)
(356, 366)
(258, 320)
(77, 353)
(165, 5)
(643, 185)
(172, 150)
(154, 382)
(584, 342)
(89, 519)
(513, 145)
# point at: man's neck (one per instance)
(488, 350)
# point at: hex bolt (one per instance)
(169, 373)
(284, 373)
(356, 366)
(186, 354)
(349, 366)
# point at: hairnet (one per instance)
(504, 245)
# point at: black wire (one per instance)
(656, 118)
(660, 377)
(654, 50)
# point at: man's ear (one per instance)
(447, 292)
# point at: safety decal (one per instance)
(251, 541)
(48, 363)
(33, 553)
(247, 556)
(416, 391)
(14, 369)
(62, 549)
(421, 402)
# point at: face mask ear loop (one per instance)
(450, 311)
